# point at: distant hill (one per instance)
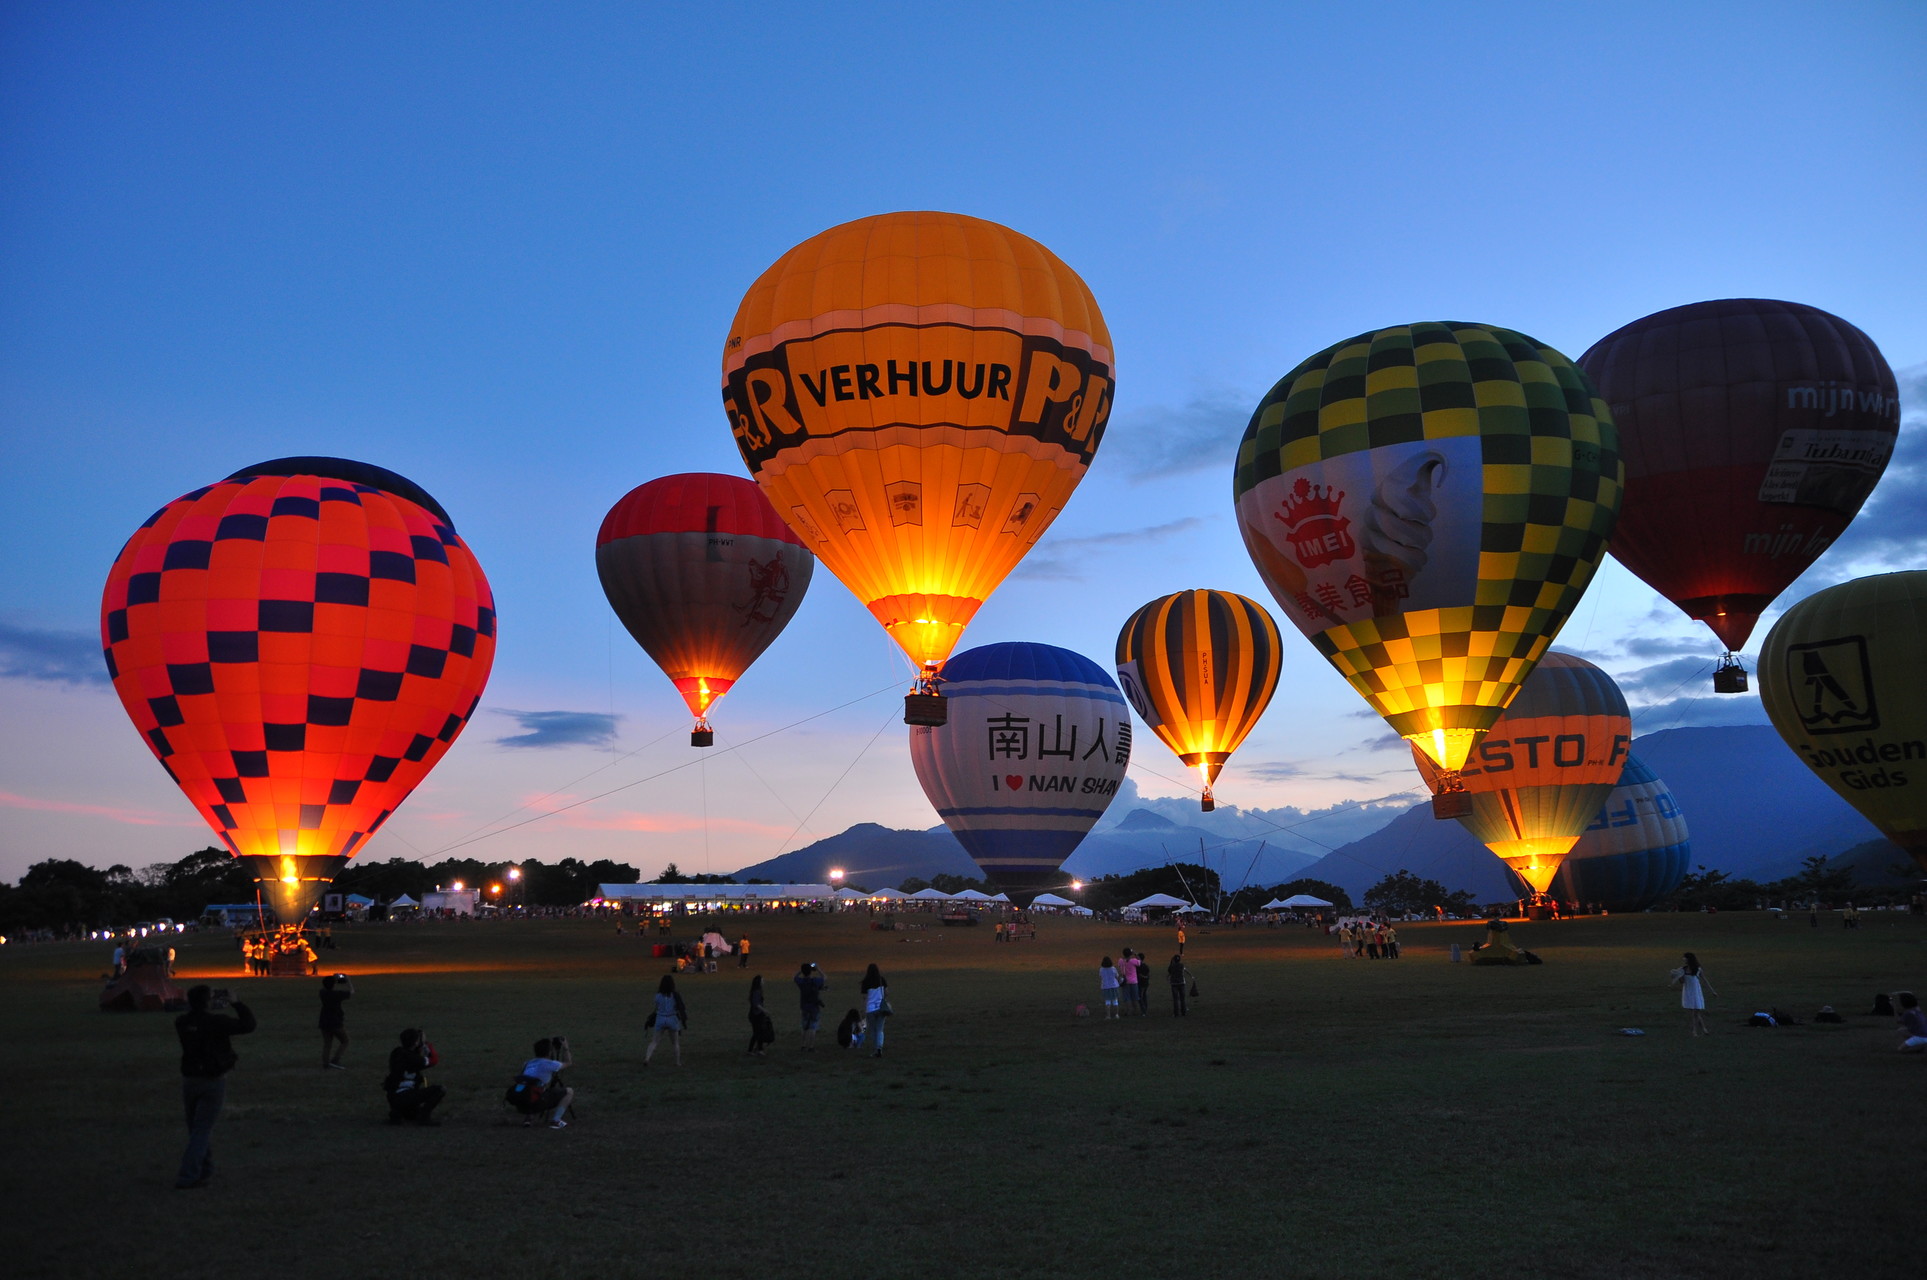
(1754, 809)
(877, 857)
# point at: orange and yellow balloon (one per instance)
(1199, 667)
(918, 394)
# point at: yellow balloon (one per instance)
(1844, 679)
(918, 394)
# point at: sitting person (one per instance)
(411, 1098)
(1913, 1023)
(849, 1032)
(545, 1069)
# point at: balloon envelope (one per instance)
(1540, 774)
(918, 394)
(1036, 743)
(704, 576)
(1427, 504)
(298, 644)
(1752, 432)
(1635, 852)
(1200, 667)
(1843, 675)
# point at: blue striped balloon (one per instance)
(1036, 744)
(1635, 851)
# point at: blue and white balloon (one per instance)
(1635, 851)
(1036, 744)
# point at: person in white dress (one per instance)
(1693, 990)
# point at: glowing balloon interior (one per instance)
(298, 644)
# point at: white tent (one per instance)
(1304, 900)
(1002, 897)
(846, 893)
(1275, 904)
(973, 895)
(1051, 900)
(1189, 908)
(893, 895)
(930, 895)
(404, 902)
(1160, 900)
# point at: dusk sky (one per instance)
(497, 249)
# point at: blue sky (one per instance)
(496, 249)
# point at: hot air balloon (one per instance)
(1428, 503)
(1843, 675)
(1199, 667)
(1635, 852)
(918, 394)
(1540, 774)
(704, 576)
(1752, 432)
(298, 644)
(1032, 753)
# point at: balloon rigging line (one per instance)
(565, 786)
(839, 778)
(743, 759)
(663, 773)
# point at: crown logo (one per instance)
(1314, 525)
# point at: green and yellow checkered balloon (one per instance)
(1428, 503)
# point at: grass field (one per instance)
(1314, 1116)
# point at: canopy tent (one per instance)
(1051, 900)
(359, 900)
(892, 895)
(404, 902)
(846, 893)
(1190, 908)
(972, 895)
(1002, 897)
(1304, 900)
(930, 895)
(1162, 901)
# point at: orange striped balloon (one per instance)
(1199, 668)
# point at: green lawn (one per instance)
(1314, 1116)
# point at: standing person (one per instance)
(552, 1054)
(1372, 935)
(1178, 975)
(336, 990)
(876, 1008)
(1391, 942)
(1180, 935)
(120, 958)
(206, 1058)
(810, 986)
(410, 1097)
(1142, 964)
(670, 1015)
(1107, 985)
(1127, 976)
(1693, 990)
(742, 957)
(1913, 1023)
(761, 1030)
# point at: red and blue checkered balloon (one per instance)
(298, 644)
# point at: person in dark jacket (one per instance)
(336, 990)
(411, 1098)
(1178, 975)
(206, 1058)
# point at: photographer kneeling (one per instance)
(410, 1097)
(545, 1068)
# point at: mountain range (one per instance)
(1754, 809)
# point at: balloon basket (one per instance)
(1729, 676)
(702, 737)
(927, 709)
(1452, 804)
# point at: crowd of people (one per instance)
(1124, 985)
(1367, 939)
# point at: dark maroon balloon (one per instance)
(1752, 431)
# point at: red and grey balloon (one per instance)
(705, 576)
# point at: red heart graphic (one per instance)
(1015, 781)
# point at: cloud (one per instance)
(1289, 770)
(1679, 692)
(132, 817)
(58, 657)
(1062, 559)
(1162, 440)
(559, 729)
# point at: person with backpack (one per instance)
(411, 1098)
(1178, 976)
(206, 1058)
(670, 1015)
(540, 1088)
(876, 1008)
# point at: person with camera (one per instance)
(411, 1099)
(335, 991)
(670, 1015)
(810, 985)
(545, 1068)
(206, 1058)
